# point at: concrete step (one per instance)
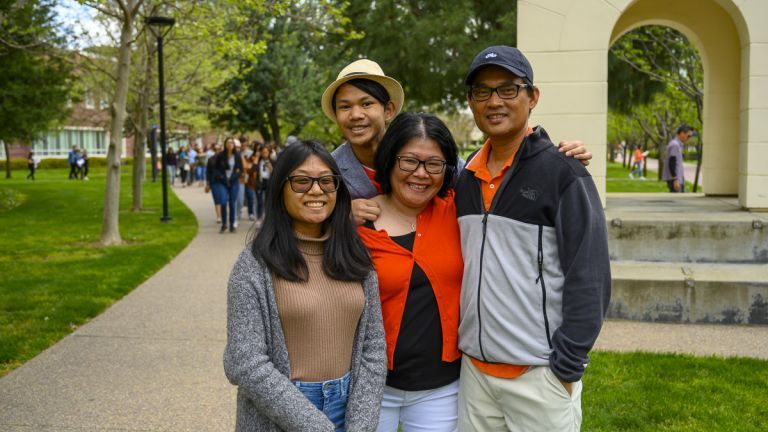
(684, 292)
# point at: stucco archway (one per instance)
(567, 42)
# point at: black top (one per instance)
(418, 361)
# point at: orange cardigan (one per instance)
(437, 250)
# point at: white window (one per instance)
(59, 143)
(103, 103)
(2, 149)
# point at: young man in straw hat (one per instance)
(361, 102)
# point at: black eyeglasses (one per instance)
(302, 184)
(506, 91)
(409, 164)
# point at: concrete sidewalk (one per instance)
(153, 361)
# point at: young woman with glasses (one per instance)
(305, 341)
(416, 249)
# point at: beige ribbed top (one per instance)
(319, 317)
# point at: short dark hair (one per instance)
(376, 90)
(344, 258)
(684, 129)
(403, 129)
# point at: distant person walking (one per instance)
(639, 158)
(673, 172)
(210, 156)
(83, 165)
(72, 159)
(32, 162)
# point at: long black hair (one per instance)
(344, 258)
(403, 129)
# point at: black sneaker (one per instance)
(232, 229)
(223, 229)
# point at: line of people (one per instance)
(469, 297)
(238, 178)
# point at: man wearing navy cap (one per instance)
(536, 269)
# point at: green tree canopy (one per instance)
(35, 76)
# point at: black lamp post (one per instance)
(160, 26)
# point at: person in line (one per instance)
(537, 277)
(305, 341)
(240, 202)
(32, 162)
(252, 178)
(182, 161)
(265, 172)
(214, 149)
(639, 158)
(170, 163)
(192, 156)
(416, 249)
(225, 182)
(674, 171)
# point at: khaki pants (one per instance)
(534, 401)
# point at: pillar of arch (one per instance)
(567, 41)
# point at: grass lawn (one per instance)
(658, 392)
(617, 180)
(55, 275)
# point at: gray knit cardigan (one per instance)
(256, 358)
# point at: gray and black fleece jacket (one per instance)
(537, 277)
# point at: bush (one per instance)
(51, 163)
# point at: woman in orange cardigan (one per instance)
(416, 249)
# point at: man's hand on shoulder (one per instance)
(577, 150)
(365, 210)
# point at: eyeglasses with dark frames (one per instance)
(303, 183)
(411, 164)
(506, 91)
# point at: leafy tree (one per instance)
(278, 83)
(428, 44)
(35, 77)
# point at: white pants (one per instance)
(534, 401)
(426, 410)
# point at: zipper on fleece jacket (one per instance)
(540, 259)
(479, 285)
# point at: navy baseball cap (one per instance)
(507, 57)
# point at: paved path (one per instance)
(152, 362)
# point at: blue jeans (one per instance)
(250, 198)
(330, 397)
(227, 196)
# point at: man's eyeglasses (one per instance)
(506, 91)
(302, 183)
(409, 164)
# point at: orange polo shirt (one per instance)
(437, 250)
(489, 184)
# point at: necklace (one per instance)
(402, 218)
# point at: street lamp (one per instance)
(160, 26)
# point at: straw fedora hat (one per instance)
(366, 69)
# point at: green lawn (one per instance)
(617, 180)
(654, 392)
(55, 276)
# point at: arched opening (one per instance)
(721, 58)
(655, 87)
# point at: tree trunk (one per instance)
(110, 230)
(7, 159)
(274, 122)
(699, 149)
(139, 145)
